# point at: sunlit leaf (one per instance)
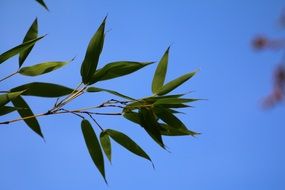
(42, 3)
(160, 73)
(117, 69)
(31, 34)
(32, 121)
(41, 68)
(7, 109)
(167, 130)
(169, 101)
(93, 146)
(18, 49)
(106, 144)
(5, 98)
(149, 123)
(175, 83)
(92, 55)
(95, 89)
(42, 89)
(127, 143)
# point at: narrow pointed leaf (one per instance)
(42, 3)
(132, 116)
(170, 101)
(41, 68)
(167, 130)
(42, 89)
(160, 73)
(168, 117)
(7, 109)
(5, 98)
(117, 69)
(127, 143)
(149, 123)
(18, 49)
(31, 34)
(95, 89)
(92, 55)
(106, 144)
(93, 146)
(27, 112)
(175, 83)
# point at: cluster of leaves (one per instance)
(156, 114)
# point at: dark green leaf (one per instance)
(93, 146)
(95, 89)
(132, 116)
(7, 109)
(31, 34)
(92, 55)
(41, 89)
(170, 101)
(127, 143)
(117, 69)
(149, 123)
(18, 49)
(160, 73)
(106, 144)
(32, 122)
(167, 130)
(175, 83)
(5, 98)
(42, 3)
(41, 68)
(168, 117)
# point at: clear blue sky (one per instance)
(241, 146)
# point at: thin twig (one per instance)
(9, 76)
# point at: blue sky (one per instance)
(241, 146)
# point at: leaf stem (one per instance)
(9, 76)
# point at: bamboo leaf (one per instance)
(93, 146)
(18, 49)
(7, 109)
(117, 69)
(32, 122)
(92, 55)
(170, 101)
(42, 3)
(5, 98)
(149, 123)
(132, 116)
(42, 89)
(106, 144)
(160, 73)
(127, 143)
(175, 83)
(41, 68)
(31, 34)
(95, 89)
(167, 130)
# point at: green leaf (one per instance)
(5, 98)
(92, 55)
(42, 89)
(160, 72)
(32, 122)
(132, 116)
(31, 34)
(93, 146)
(18, 49)
(167, 130)
(170, 101)
(127, 143)
(95, 89)
(168, 117)
(41, 68)
(117, 69)
(42, 3)
(149, 123)
(106, 144)
(175, 83)
(7, 109)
